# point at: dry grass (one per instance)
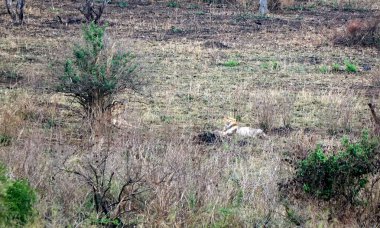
(277, 85)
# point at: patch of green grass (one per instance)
(335, 67)
(5, 140)
(199, 13)
(275, 65)
(270, 65)
(324, 69)
(350, 67)
(231, 63)
(265, 66)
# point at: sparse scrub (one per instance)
(341, 108)
(286, 103)
(265, 110)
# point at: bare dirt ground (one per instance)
(281, 73)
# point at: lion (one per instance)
(231, 128)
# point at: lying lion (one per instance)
(232, 128)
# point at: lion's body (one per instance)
(232, 128)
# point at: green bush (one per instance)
(342, 174)
(17, 199)
(97, 72)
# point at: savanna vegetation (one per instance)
(108, 113)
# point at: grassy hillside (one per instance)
(202, 62)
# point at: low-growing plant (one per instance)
(335, 67)
(350, 67)
(324, 69)
(231, 63)
(330, 174)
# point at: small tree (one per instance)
(16, 11)
(97, 73)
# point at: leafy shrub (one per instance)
(17, 199)
(97, 73)
(5, 140)
(339, 174)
